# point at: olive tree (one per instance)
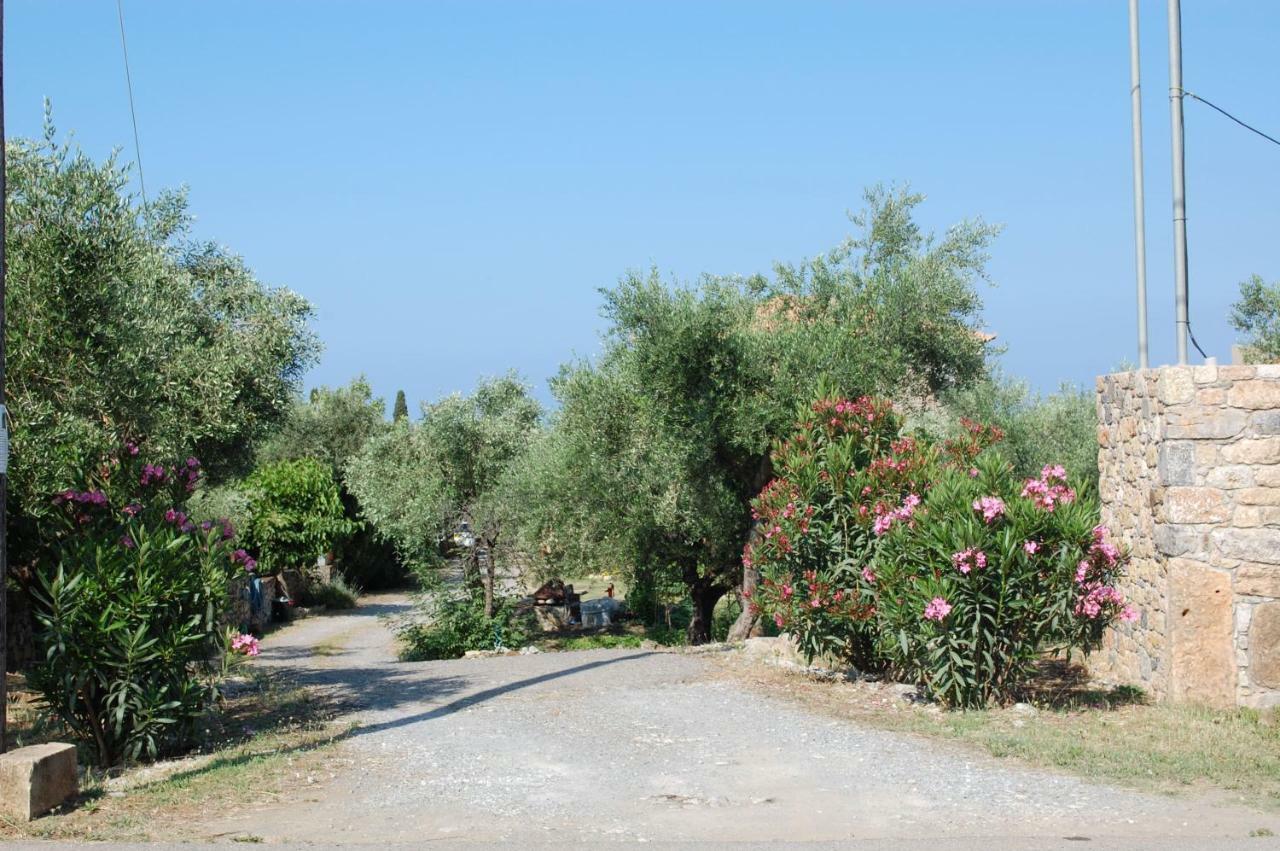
(120, 327)
(1257, 315)
(660, 444)
(418, 482)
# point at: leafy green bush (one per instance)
(129, 609)
(994, 572)
(458, 624)
(295, 514)
(936, 561)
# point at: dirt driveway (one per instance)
(649, 746)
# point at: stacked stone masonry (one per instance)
(1190, 482)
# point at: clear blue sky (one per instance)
(450, 182)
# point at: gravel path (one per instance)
(646, 746)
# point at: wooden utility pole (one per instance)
(4, 433)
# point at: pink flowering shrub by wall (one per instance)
(933, 561)
(130, 605)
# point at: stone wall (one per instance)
(1190, 482)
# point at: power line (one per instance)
(1273, 140)
(133, 115)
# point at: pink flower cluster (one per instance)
(968, 560)
(1050, 490)
(869, 576)
(992, 507)
(886, 517)
(1096, 596)
(937, 610)
(153, 474)
(245, 644)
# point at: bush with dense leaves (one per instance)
(295, 514)
(993, 572)
(936, 561)
(130, 609)
(457, 623)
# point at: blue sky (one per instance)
(451, 182)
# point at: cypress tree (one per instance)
(401, 410)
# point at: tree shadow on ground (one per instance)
(1065, 685)
(385, 686)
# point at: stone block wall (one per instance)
(1190, 482)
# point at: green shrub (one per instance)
(988, 578)
(129, 611)
(335, 594)
(458, 624)
(295, 514)
(936, 561)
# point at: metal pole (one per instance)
(1139, 209)
(4, 467)
(1179, 178)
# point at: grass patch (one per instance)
(266, 739)
(1103, 735)
(335, 595)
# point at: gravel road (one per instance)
(630, 745)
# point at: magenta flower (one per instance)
(1031, 548)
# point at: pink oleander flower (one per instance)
(778, 620)
(245, 644)
(973, 472)
(937, 609)
(869, 575)
(1129, 615)
(969, 560)
(1051, 489)
(1031, 547)
(991, 507)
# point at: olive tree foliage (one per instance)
(1257, 315)
(660, 444)
(1058, 428)
(332, 427)
(417, 482)
(120, 327)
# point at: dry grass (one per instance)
(1104, 735)
(268, 740)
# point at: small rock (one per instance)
(529, 650)
(1024, 709)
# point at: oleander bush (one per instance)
(130, 609)
(934, 561)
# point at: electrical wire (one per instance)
(133, 115)
(1272, 139)
(1246, 126)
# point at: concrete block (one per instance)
(35, 779)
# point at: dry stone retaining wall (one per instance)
(1190, 482)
